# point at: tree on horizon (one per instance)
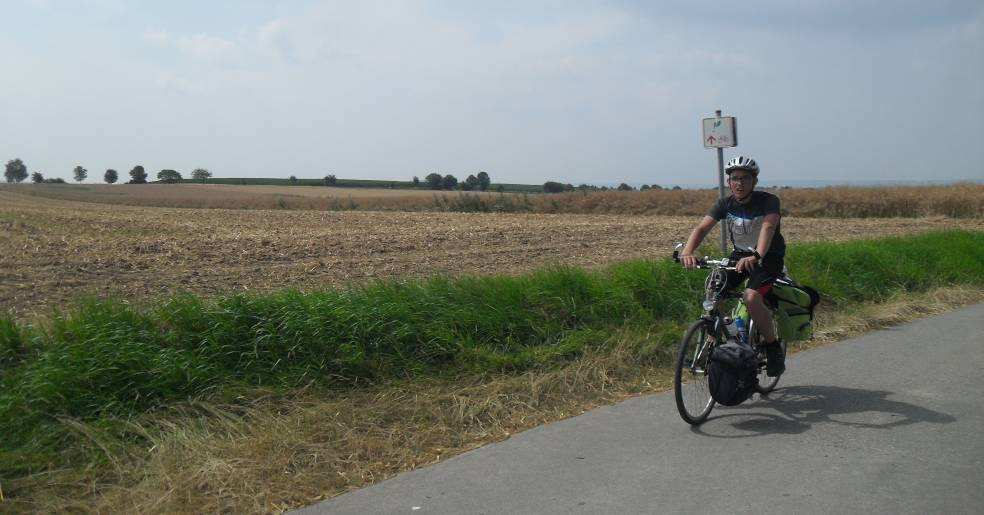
(16, 170)
(434, 181)
(80, 173)
(553, 187)
(201, 174)
(169, 176)
(484, 181)
(471, 183)
(138, 175)
(449, 182)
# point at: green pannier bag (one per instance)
(793, 305)
(794, 325)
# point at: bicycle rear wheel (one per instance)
(693, 396)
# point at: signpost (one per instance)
(720, 132)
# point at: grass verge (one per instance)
(224, 427)
(271, 452)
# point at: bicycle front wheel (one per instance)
(693, 396)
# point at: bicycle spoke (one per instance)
(692, 393)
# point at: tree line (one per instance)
(436, 181)
(556, 187)
(16, 171)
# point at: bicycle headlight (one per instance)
(708, 305)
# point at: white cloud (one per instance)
(718, 58)
(387, 88)
(79, 6)
(39, 4)
(379, 72)
(206, 47)
(157, 37)
(273, 38)
(203, 47)
(973, 30)
(170, 81)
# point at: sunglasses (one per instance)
(742, 179)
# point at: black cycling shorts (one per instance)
(761, 277)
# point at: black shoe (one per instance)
(775, 363)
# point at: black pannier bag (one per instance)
(731, 373)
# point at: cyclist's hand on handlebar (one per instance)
(747, 264)
(688, 261)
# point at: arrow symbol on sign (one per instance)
(711, 140)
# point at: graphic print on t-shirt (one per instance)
(744, 231)
(744, 221)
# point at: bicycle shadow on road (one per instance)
(800, 407)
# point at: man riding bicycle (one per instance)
(752, 219)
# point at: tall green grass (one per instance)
(105, 360)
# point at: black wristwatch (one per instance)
(757, 255)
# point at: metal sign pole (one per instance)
(717, 133)
(724, 223)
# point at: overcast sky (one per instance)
(602, 92)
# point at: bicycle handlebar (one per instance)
(706, 262)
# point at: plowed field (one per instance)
(53, 251)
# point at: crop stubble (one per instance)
(52, 251)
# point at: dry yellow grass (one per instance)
(965, 200)
(231, 196)
(284, 452)
(52, 251)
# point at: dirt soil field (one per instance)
(53, 251)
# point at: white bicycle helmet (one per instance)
(742, 163)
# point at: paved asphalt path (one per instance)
(891, 422)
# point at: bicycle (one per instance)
(693, 398)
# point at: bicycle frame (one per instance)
(716, 292)
(713, 328)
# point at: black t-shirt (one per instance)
(745, 220)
